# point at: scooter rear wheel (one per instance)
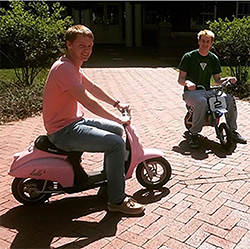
(25, 190)
(158, 173)
(225, 136)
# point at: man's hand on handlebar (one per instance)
(227, 81)
(123, 107)
(125, 111)
(232, 80)
(190, 85)
(125, 119)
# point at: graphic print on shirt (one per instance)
(203, 65)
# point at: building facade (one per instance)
(136, 23)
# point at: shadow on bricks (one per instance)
(146, 196)
(206, 147)
(39, 226)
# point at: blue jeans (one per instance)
(98, 135)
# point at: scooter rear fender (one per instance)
(38, 164)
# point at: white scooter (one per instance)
(217, 107)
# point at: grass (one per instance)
(8, 77)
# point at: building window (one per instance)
(98, 15)
(151, 17)
(205, 11)
(113, 14)
(242, 9)
(107, 14)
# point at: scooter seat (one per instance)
(43, 143)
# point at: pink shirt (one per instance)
(59, 107)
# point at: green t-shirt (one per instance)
(200, 68)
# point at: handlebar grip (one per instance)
(125, 112)
(226, 83)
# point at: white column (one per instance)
(128, 24)
(86, 18)
(138, 25)
(76, 16)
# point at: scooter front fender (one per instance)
(147, 154)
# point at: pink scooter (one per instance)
(43, 170)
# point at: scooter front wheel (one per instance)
(30, 191)
(225, 136)
(188, 120)
(153, 173)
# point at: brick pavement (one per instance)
(205, 205)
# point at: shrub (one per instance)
(32, 34)
(232, 44)
(18, 102)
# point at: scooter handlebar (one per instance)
(224, 84)
(200, 87)
(126, 113)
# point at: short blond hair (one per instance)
(72, 32)
(206, 32)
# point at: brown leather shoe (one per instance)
(129, 206)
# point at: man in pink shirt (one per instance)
(66, 94)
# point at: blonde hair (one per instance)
(72, 32)
(206, 32)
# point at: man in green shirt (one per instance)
(196, 68)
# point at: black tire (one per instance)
(161, 172)
(225, 136)
(25, 191)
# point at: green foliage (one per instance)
(232, 44)
(33, 35)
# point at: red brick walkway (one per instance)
(205, 205)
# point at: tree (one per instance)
(33, 35)
(232, 44)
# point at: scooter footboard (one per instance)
(57, 170)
